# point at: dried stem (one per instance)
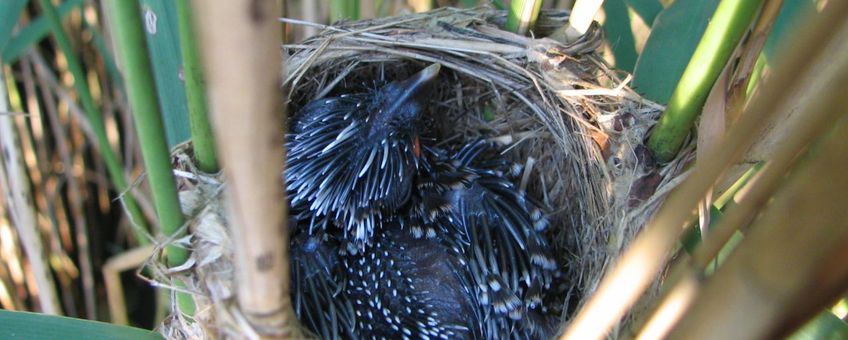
(247, 120)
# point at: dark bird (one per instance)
(466, 196)
(354, 157)
(403, 287)
(316, 276)
(394, 240)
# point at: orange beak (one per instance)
(416, 147)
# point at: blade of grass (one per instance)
(11, 10)
(729, 23)
(33, 32)
(818, 117)
(163, 45)
(125, 16)
(113, 165)
(26, 325)
(344, 10)
(201, 131)
(522, 15)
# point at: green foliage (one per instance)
(824, 327)
(163, 44)
(32, 33)
(9, 12)
(646, 9)
(674, 36)
(619, 35)
(132, 51)
(25, 325)
(729, 23)
(618, 32)
(790, 18)
(344, 10)
(522, 15)
(201, 130)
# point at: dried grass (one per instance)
(558, 109)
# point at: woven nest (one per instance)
(557, 109)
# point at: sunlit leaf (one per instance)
(674, 36)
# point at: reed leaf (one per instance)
(162, 37)
(125, 17)
(24, 325)
(33, 32)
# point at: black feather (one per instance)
(352, 156)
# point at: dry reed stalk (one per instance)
(14, 182)
(647, 254)
(80, 131)
(822, 79)
(75, 198)
(769, 106)
(793, 262)
(130, 259)
(751, 52)
(244, 96)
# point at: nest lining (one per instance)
(558, 110)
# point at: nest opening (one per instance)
(556, 109)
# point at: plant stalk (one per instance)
(251, 151)
(522, 15)
(132, 52)
(729, 23)
(202, 139)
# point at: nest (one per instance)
(557, 109)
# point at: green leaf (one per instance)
(10, 10)
(787, 23)
(163, 43)
(674, 37)
(25, 325)
(725, 251)
(691, 239)
(826, 326)
(31, 33)
(646, 9)
(619, 35)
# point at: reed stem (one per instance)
(202, 139)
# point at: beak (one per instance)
(417, 83)
(416, 147)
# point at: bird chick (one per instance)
(353, 157)
(316, 278)
(461, 194)
(403, 287)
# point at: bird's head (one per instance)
(397, 106)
